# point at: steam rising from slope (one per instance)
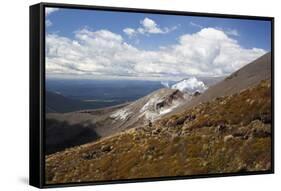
(165, 84)
(190, 85)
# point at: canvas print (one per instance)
(141, 95)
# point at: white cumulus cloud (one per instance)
(48, 23)
(148, 26)
(209, 52)
(50, 10)
(232, 32)
(196, 25)
(130, 32)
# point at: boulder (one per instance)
(106, 148)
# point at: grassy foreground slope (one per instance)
(227, 134)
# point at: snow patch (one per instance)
(121, 114)
(150, 112)
(167, 110)
(190, 85)
(150, 104)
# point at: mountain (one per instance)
(62, 134)
(56, 102)
(64, 130)
(107, 121)
(246, 77)
(228, 134)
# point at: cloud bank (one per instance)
(209, 52)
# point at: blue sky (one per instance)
(252, 33)
(167, 32)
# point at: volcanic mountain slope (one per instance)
(246, 77)
(56, 102)
(74, 128)
(228, 134)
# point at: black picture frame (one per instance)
(37, 92)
